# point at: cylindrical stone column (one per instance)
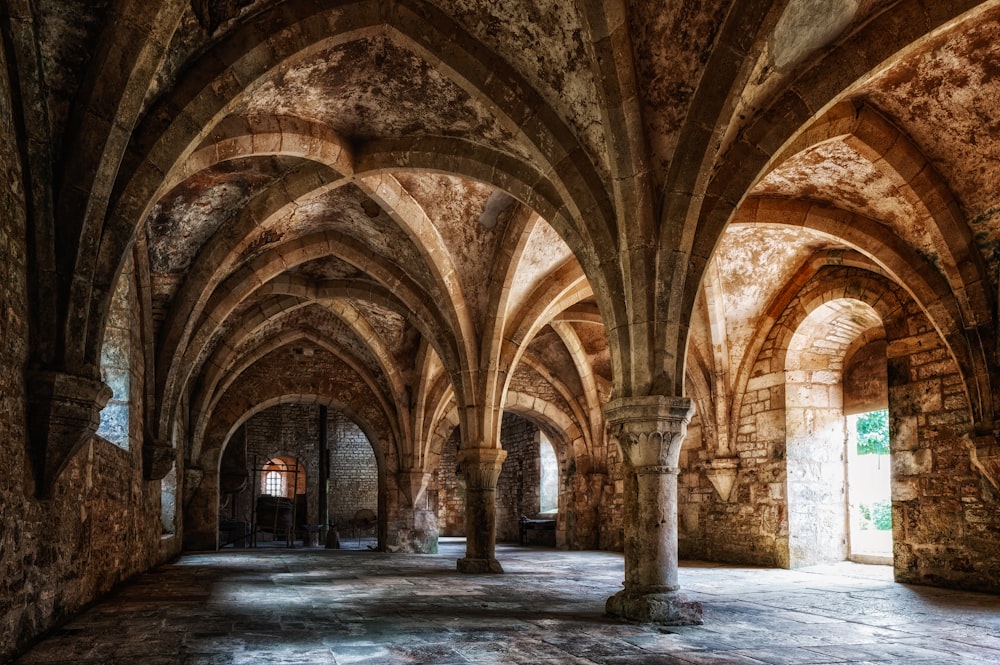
(656, 568)
(481, 469)
(650, 431)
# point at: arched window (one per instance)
(548, 495)
(274, 483)
(116, 363)
(283, 476)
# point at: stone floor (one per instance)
(364, 608)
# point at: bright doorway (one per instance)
(869, 482)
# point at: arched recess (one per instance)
(267, 382)
(792, 410)
(200, 521)
(815, 434)
(900, 262)
(924, 386)
(581, 478)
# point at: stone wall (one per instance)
(102, 524)
(518, 485)
(944, 529)
(450, 490)
(945, 524)
(353, 474)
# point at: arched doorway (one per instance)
(278, 449)
(837, 333)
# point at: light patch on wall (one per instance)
(497, 203)
(807, 26)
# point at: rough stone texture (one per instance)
(57, 555)
(451, 490)
(931, 469)
(426, 215)
(518, 485)
(327, 607)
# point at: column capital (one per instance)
(413, 484)
(481, 466)
(650, 429)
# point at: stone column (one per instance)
(650, 431)
(481, 468)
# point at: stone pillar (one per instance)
(481, 468)
(650, 431)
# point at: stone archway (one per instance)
(815, 430)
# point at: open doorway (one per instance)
(835, 374)
(869, 495)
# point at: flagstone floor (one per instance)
(321, 607)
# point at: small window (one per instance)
(116, 363)
(549, 482)
(274, 484)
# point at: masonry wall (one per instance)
(945, 528)
(103, 523)
(519, 482)
(450, 490)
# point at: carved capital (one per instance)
(158, 458)
(650, 430)
(481, 467)
(64, 411)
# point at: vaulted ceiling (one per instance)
(438, 190)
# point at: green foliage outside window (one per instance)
(873, 433)
(877, 516)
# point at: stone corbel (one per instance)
(984, 453)
(722, 472)
(64, 411)
(158, 459)
(413, 485)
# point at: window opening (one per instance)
(549, 481)
(869, 487)
(116, 363)
(274, 484)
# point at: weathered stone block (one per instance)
(912, 463)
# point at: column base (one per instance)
(479, 566)
(668, 608)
